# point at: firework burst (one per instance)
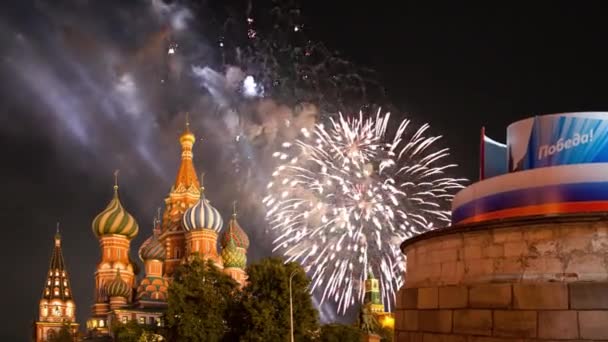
(345, 196)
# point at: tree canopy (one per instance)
(340, 333)
(200, 299)
(265, 303)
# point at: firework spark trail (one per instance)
(344, 197)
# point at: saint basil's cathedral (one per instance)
(190, 226)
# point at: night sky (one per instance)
(457, 68)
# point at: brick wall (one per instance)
(531, 281)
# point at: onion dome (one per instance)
(235, 232)
(233, 256)
(115, 219)
(187, 138)
(153, 289)
(202, 215)
(152, 248)
(118, 287)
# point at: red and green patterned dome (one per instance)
(235, 233)
(118, 287)
(152, 289)
(233, 256)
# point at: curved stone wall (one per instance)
(534, 279)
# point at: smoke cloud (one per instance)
(107, 84)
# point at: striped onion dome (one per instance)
(152, 248)
(118, 287)
(233, 256)
(115, 220)
(202, 216)
(235, 233)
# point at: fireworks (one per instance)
(344, 197)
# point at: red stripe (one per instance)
(541, 209)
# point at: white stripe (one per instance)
(563, 174)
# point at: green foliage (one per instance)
(200, 298)
(63, 335)
(127, 332)
(340, 333)
(150, 337)
(386, 334)
(265, 304)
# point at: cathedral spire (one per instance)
(57, 283)
(56, 306)
(186, 175)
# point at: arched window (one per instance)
(50, 334)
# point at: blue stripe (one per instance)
(574, 192)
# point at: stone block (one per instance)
(477, 238)
(540, 296)
(409, 320)
(402, 336)
(515, 248)
(593, 325)
(452, 272)
(575, 244)
(544, 248)
(444, 255)
(409, 298)
(493, 251)
(557, 325)
(510, 268)
(428, 298)
(435, 321)
(443, 338)
(452, 297)
(490, 296)
(599, 244)
(588, 295)
(507, 235)
(513, 323)
(496, 339)
(474, 322)
(538, 234)
(472, 252)
(586, 266)
(476, 268)
(399, 299)
(451, 242)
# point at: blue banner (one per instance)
(558, 139)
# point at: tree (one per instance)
(265, 304)
(127, 332)
(63, 335)
(340, 333)
(200, 298)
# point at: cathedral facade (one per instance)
(190, 226)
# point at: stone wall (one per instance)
(535, 279)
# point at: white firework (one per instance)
(344, 197)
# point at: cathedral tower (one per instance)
(115, 228)
(372, 297)
(56, 305)
(153, 288)
(234, 250)
(184, 194)
(202, 223)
